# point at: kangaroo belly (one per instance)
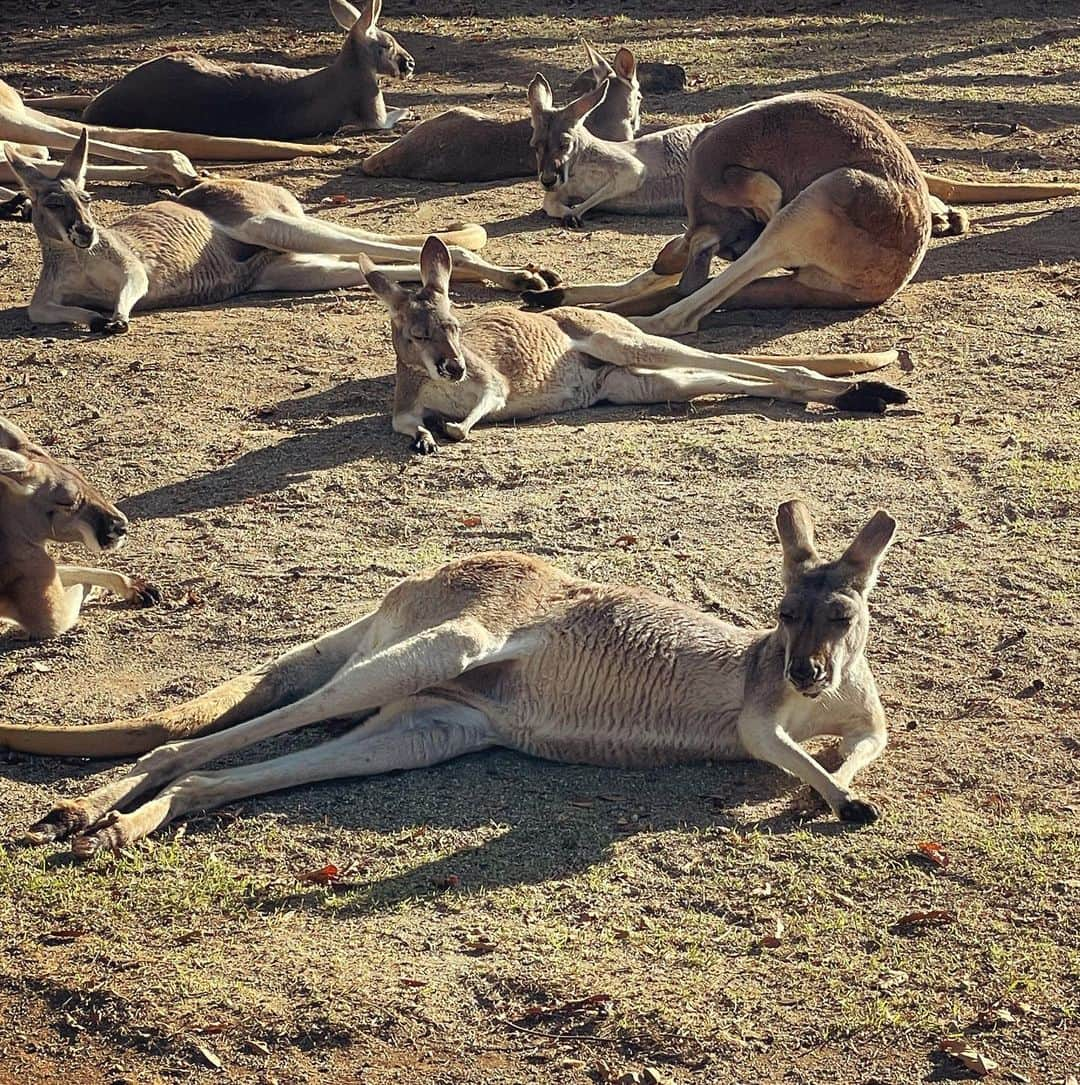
(620, 680)
(188, 260)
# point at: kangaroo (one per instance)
(41, 500)
(196, 94)
(218, 240)
(580, 170)
(465, 145)
(809, 181)
(510, 364)
(460, 658)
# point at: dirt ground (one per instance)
(506, 920)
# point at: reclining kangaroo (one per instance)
(42, 500)
(218, 240)
(460, 658)
(196, 94)
(153, 156)
(464, 145)
(809, 181)
(581, 169)
(510, 364)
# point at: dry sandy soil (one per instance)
(506, 920)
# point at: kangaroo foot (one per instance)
(65, 819)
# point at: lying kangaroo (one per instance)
(581, 169)
(218, 240)
(509, 364)
(809, 181)
(461, 658)
(195, 94)
(465, 145)
(42, 500)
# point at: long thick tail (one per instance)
(966, 192)
(830, 365)
(66, 102)
(123, 739)
(466, 235)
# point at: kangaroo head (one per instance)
(823, 617)
(426, 334)
(367, 47)
(557, 133)
(618, 116)
(60, 207)
(41, 498)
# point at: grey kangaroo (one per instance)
(192, 93)
(460, 658)
(465, 145)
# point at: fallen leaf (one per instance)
(775, 938)
(407, 982)
(934, 917)
(326, 875)
(933, 851)
(61, 936)
(208, 1056)
(256, 1046)
(961, 1050)
(479, 945)
(471, 521)
(624, 542)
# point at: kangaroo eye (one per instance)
(840, 619)
(787, 616)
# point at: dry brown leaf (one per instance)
(624, 542)
(933, 851)
(407, 981)
(961, 1050)
(471, 521)
(774, 939)
(326, 875)
(934, 917)
(208, 1056)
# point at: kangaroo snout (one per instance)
(111, 530)
(451, 368)
(406, 66)
(807, 675)
(83, 236)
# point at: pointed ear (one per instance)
(795, 527)
(369, 17)
(435, 265)
(539, 95)
(390, 294)
(601, 69)
(862, 559)
(16, 471)
(11, 436)
(581, 107)
(74, 167)
(344, 14)
(28, 176)
(625, 64)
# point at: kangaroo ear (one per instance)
(28, 176)
(16, 471)
(539, 95)
(435, 265)
(11, 436)
(862, 559)
(369, 17)
(389, 293)
(795, 527)
(601, 69)
(625, 64)
(581, 107)
(74, 167)
(344, 14)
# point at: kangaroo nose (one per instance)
(805, 672)
(548, 180)
(451, 367)
(406, 65)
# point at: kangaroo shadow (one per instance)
(1007, 241)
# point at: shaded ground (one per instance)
(251, 444)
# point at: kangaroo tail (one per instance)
(965, 192)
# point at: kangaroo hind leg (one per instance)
(414, 732)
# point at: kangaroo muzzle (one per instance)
(808, 676)
(450, 368)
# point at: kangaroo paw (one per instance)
(108, 325)
(859, 812)
(871, 397)
(544, 299)
(423, 444)
(65, 819)
(109, 833)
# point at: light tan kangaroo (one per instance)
(218, 240)
(812, 182)
(462, 658)
(465, 145)
(580, 168)
(507, 364)
(195, 94)
(43, 500)
(152, 156)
